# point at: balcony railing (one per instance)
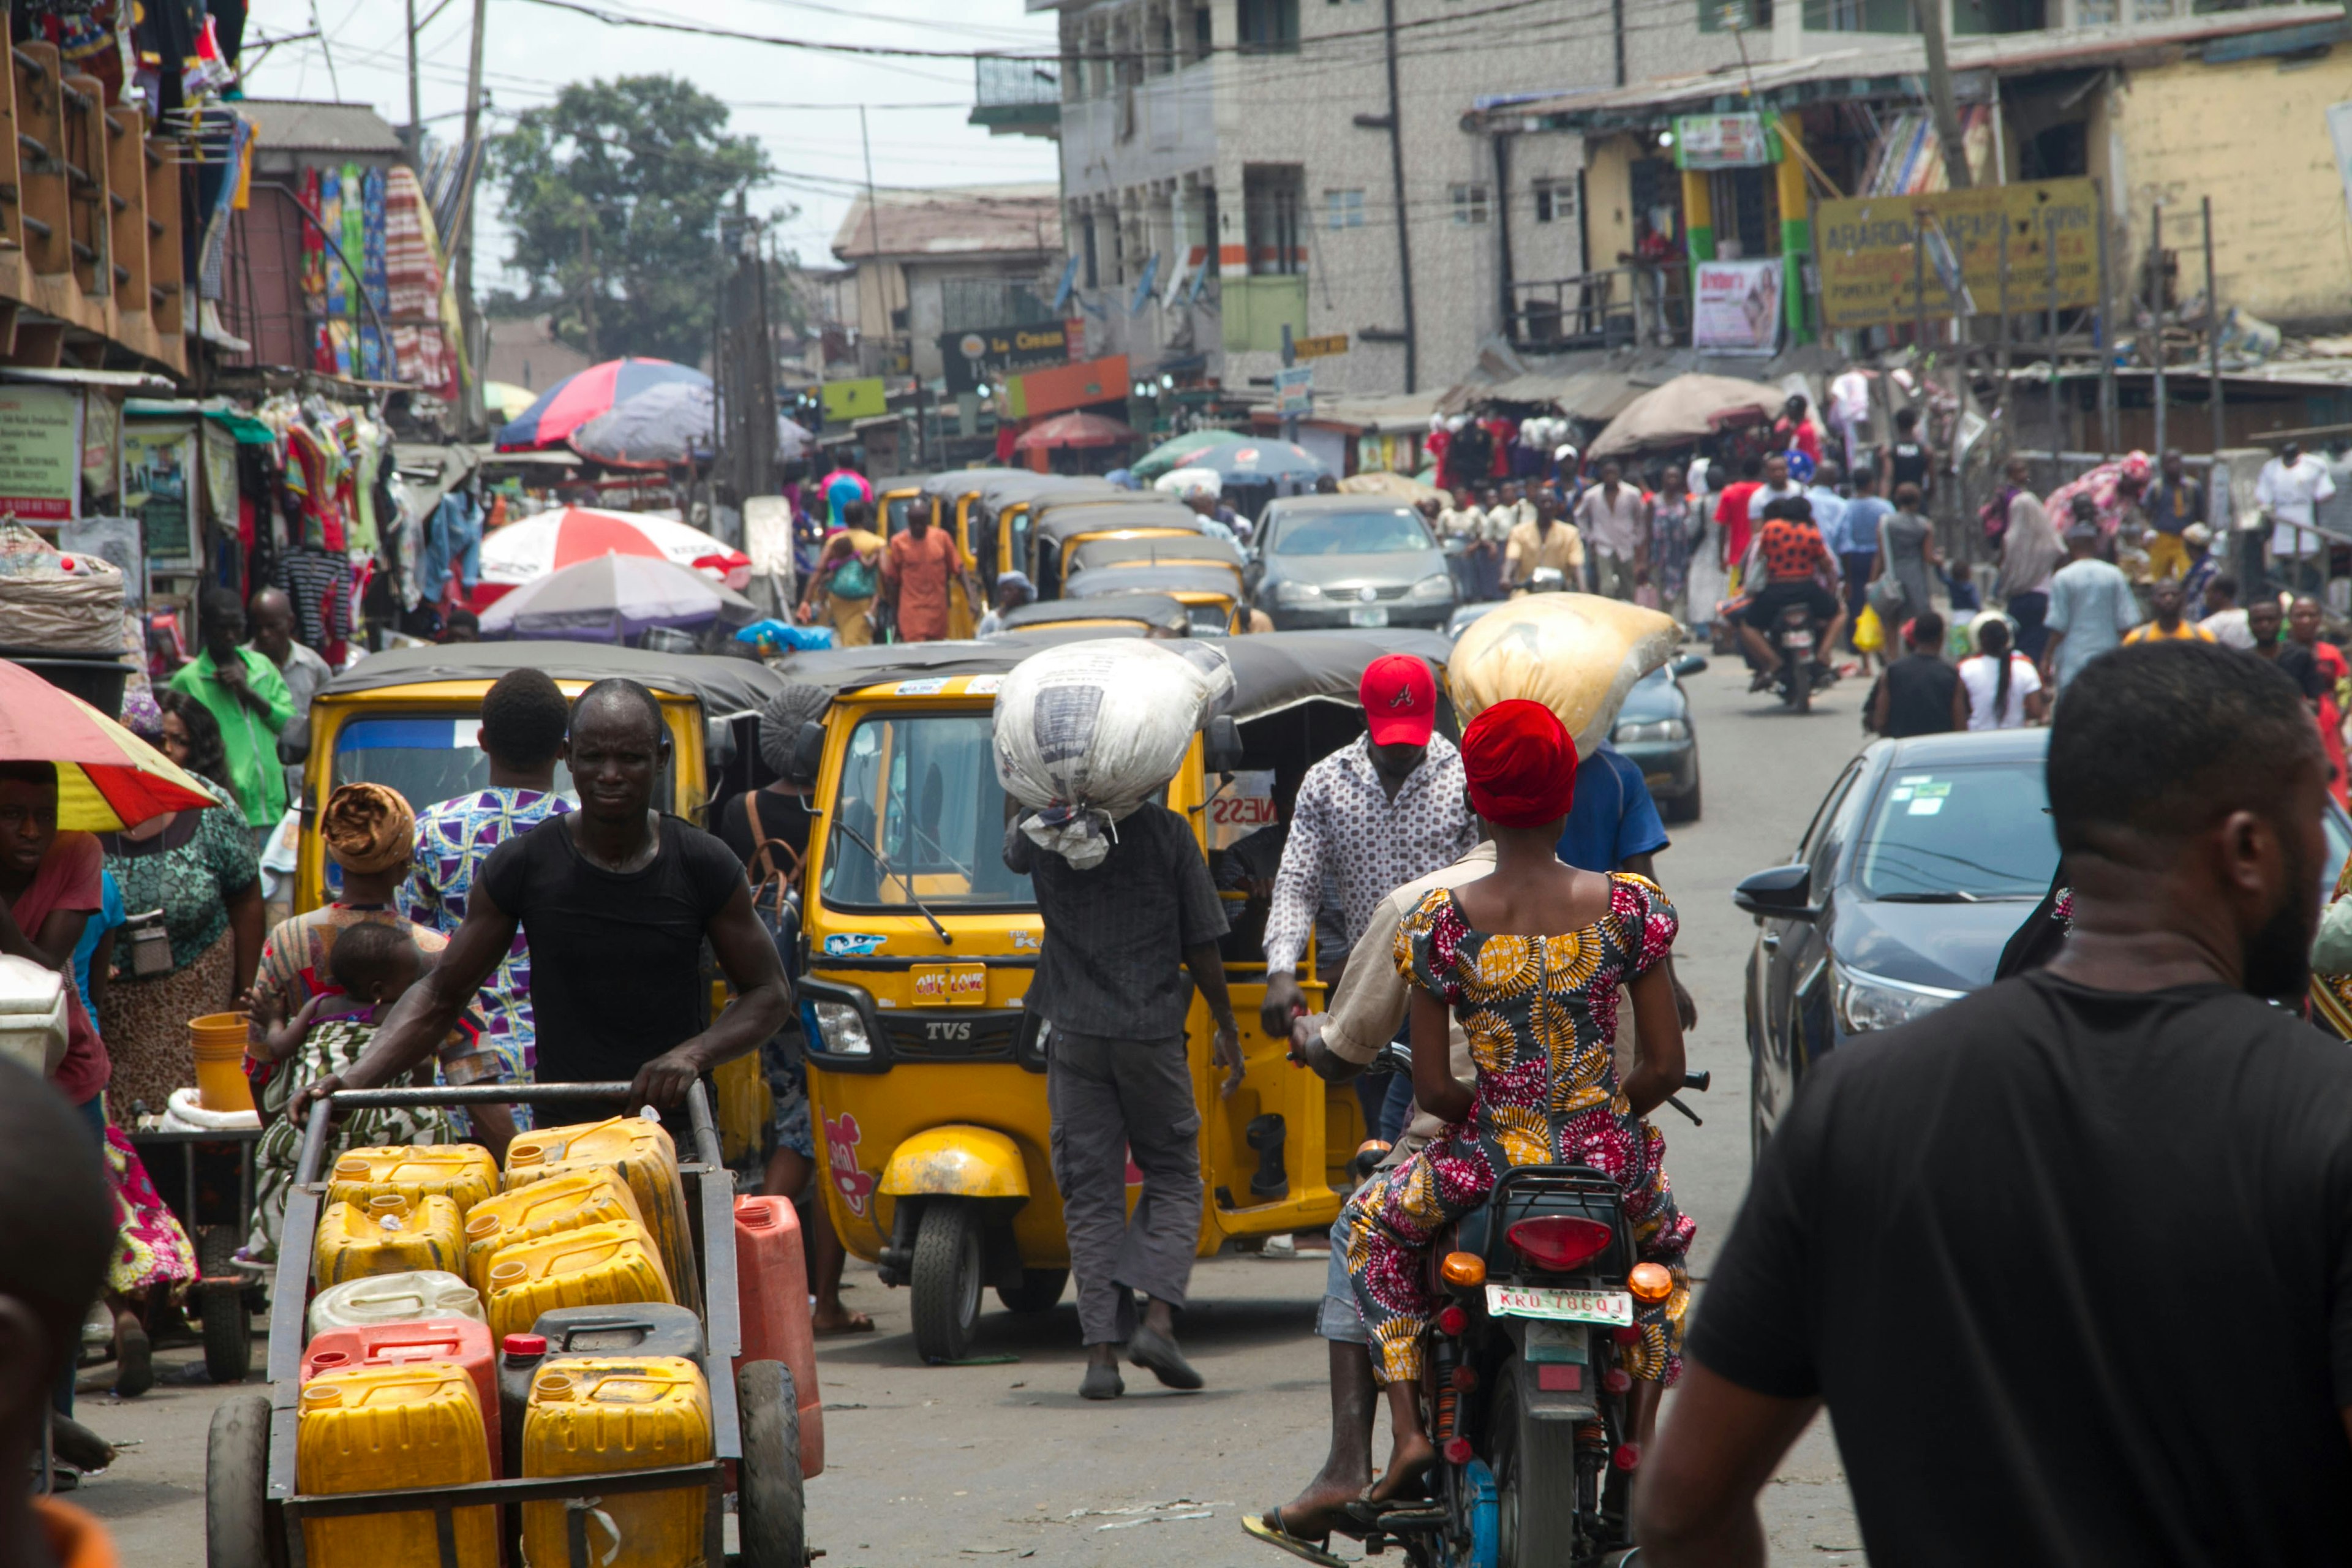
(1015, 94)
(1610, 309)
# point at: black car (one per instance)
(1922, 861)
(1319, 563)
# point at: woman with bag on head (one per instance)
(768, 828)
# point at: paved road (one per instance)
(1003, 1461)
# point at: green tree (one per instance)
(613, 193)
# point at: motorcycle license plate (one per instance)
(1796, 639)
(1367, 616)
(1612, 1307)
(950, 985)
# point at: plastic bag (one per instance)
(1869, 631)
(2331, 950)
(1576, 654)
(1088, 732)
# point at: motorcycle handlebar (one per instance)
(1697, 1080)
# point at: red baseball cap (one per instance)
(1400, 697)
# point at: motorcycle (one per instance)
(1524, 1391)
(1794, 636)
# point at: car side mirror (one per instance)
(1785, 892)
(1689, 664)
(1221, 745)
(808, 751)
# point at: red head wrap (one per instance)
(1520, 763)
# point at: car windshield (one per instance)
(1959, 834)
(919, 792)
(1350, 533)
(427, 759)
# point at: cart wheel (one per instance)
(228, 1336)
(1040, 1291)
(768, 1505)
(946, 1279)
(237, 1466)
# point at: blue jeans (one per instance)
(1339, 1319)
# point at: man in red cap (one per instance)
(1370, 817)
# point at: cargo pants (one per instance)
(1110, 1100)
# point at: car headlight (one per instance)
(1434, 589)
(1654, 730)
(843, 1029)
(1297, 592)
(1865, 1002)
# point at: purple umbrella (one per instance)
(612, 597)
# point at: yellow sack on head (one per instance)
(1576, 654)
(1869, 631)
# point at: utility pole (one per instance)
(1929, 15)
(1396, 176)
(2214, 350)
(472, 417)
(416, 104)
(873, 228)
(2156, 312)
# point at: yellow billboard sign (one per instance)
(1869, 274)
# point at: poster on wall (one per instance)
(1737, 309)
(1722, 142)
(101, 446)
(40, 453)
(220, 477)
(159, 479)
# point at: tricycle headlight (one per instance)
(842, 1029)
(1434, 589)
(1297, 592)
(1652, 731)
(1865, 1003)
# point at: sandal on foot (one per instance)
(1268, 1527)
(1101, 1382)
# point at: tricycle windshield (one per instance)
(426, 759)
(918, 816)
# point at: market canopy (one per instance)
(1263, 461)
(614, 598)
(1686, 410)
(1073, 431)
(582, 397)
(1172, 452)
(524, 551)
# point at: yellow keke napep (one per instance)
(411, 719)
(1210, 593)
(1001, 516)
(925, 1074)
(1123, 614)
(1060, 527)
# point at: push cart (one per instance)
(225, 1296)
(254, 1513)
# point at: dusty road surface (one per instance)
(1002, 1462)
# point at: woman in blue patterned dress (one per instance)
(1530, 959)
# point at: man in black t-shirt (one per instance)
(2070, 1260)
(617, 900)
(1919, 694)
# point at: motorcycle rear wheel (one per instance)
(1534, 1480)
(1801, 685)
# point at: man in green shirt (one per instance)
(248, 698)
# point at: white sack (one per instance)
(1088, 732)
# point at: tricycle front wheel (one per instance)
(770, 1507)
(236, 1472)
(947, 1279)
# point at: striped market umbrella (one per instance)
(1074, 430)
(108, 778)
(1177, 451)
(524, 552)
(576, 399)
(614, 598)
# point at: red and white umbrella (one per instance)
(527, 550)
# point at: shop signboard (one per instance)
(980, 358)
(1869, 274)
(1294, 390)
(1723, 141)
(1737, 309)
(860, 399)
(1063, 387)
(159, 488)
(1323, 347)
(40, 452)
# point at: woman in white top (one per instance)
(2004, 689)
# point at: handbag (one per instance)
(147, 945)
(852, 579)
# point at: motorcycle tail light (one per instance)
(1616, 1380)
(1466, 1270)
(1626, 1333)
(1628, 1456)
(1650, 1282)
(1458, 1451)
(1452, 1321)
(1560, 1242)
(1466, 1378)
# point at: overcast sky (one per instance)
(802, 104)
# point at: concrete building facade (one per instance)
(959, 259)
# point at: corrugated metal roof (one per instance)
(1876, 60)
(966, 220)
(298, 125)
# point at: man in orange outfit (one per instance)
(919, 571)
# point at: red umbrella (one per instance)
(576, 399)
(108, 778)
(1074, 430)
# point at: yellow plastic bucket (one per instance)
(217, 1042)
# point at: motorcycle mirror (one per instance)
(1221, 745)
(1547, 580)
(1689, 664)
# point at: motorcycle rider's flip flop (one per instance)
(1268, 1527)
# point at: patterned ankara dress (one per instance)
(1541, 1015)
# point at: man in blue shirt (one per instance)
(1856, 540)
(1613, 826)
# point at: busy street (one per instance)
(1002, 1459)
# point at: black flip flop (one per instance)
(1268, 1527)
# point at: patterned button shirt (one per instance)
(1346, 825)
(453, 839)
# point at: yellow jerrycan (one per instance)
(642, 1155)
(594, 1197)
(390, 1428)
(595, 1266)
(590, 1416)
(462, 1172)
(387, 1234)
